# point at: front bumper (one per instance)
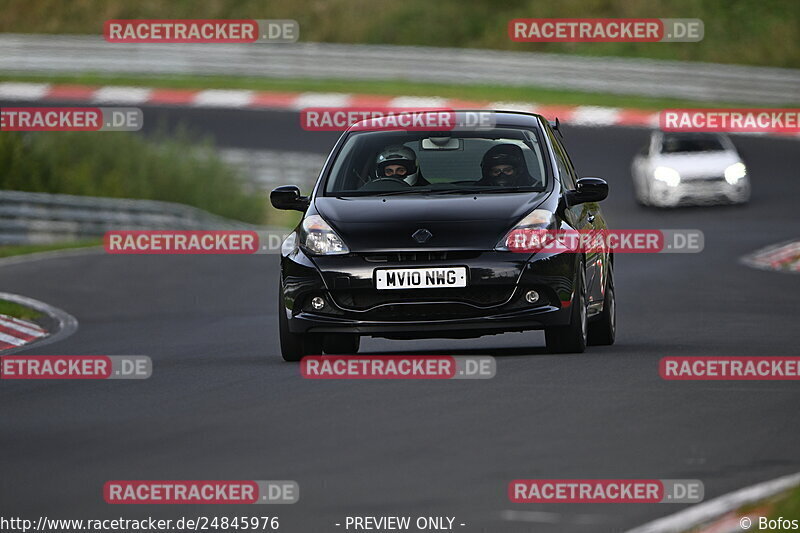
(705, 191)
(492, 302)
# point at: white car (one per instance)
(689, 169)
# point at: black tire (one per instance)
(341, 344)
(571, 338)
(294, 346)
(603, 330)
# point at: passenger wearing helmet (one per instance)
(504, 165)
(399, 162)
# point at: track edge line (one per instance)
(704, 512)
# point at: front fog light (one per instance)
(317, 302)
(531, 297)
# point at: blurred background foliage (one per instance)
(124, 165)
(754, 32)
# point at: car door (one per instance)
(584, 217)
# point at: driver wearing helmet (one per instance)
(503, 165)
(399, 162)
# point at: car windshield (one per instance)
(676, 143)
(401, 162)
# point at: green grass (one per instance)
(754, 32)
(393, 88)
(172, 168)
(18, 311)
(23, 249)
(787, 506)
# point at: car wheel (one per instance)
(571, 338)
(643, 196)
(341, 344)
(603, 330)
(293, 345)
(638, 192)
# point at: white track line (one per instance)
(704, 512)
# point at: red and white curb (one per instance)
(721, 515)
(783, 257)
(15, 332)
(296, 101)
(17, 335)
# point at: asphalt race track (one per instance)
(221, 403)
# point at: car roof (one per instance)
(502, 118)
(691, 135)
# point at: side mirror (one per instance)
(588, 190)
(288, 197)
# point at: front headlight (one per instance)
(735, 172)
(530, 233)
(668, 175)
(318, 237)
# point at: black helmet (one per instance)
(502, 154)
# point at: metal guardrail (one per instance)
(38, 218)
(263, 170)
(655, 78)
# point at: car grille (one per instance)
(420, 312)
(702, 179)
(419, 256)
(476, 296)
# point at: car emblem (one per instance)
(422, 235)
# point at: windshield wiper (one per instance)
(410, 190)
(464, 190)
(481, 190)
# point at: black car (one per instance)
(405, 237)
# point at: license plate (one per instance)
(420, 278)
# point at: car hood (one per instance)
(381, 224)
(701, 165)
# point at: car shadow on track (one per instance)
(498, 352)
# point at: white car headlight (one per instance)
(668, 175)
(534, 228)
(735, 172)
(318, 237)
